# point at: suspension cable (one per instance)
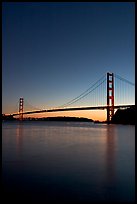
(125, 80)
(82, 94)
(86, 93)
(27, 103)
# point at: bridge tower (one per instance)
(110, 96)
(21, 102)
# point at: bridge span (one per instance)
(105, 85)
(73, 109)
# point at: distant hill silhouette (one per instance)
(64, 119)
(125, 116)
(9, 117)
(77, 119)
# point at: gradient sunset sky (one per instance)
(52, 52)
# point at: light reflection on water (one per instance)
(59, 161)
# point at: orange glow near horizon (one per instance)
(94, 114)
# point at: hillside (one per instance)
(125, 116)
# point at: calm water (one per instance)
(68, 161)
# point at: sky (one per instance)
(52, 52)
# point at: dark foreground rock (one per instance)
(125, 116)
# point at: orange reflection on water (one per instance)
(19, 137)
(110, 153)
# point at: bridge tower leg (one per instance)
(110, 96)
(21, 102)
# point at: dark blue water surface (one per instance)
(45, 162)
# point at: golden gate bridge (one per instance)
(112, 90)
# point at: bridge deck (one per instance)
(74, 109)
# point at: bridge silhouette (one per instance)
(105, 87)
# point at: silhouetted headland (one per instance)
(77, 119)
(125, 116)
(8, 117)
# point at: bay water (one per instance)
(47, 162)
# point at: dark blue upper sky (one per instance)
(51, 52)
